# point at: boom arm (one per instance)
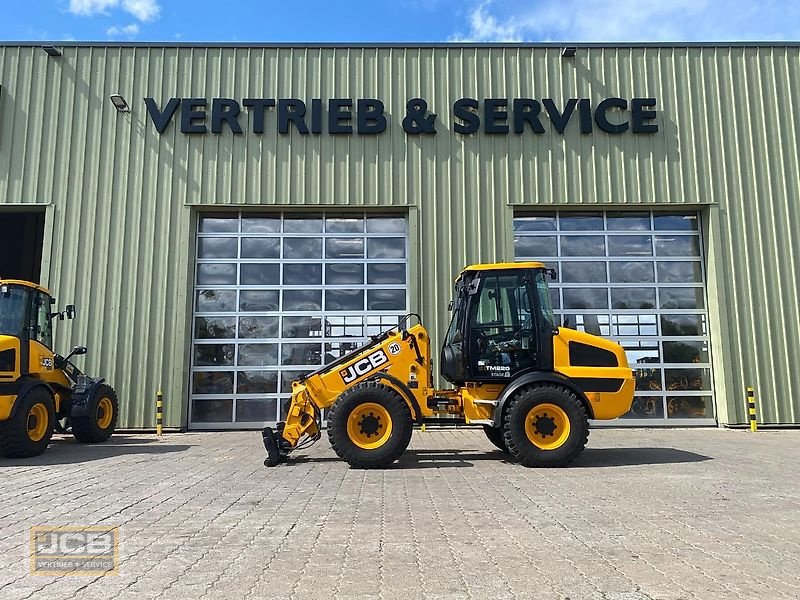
(398, 357)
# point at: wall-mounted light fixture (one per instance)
(120, 103)
(51, 50)
(568, 51)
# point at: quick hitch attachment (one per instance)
(277, 448)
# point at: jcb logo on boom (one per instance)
(364, 366)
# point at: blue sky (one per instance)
(400, 20)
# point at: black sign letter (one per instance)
(291, 111)
(225, 109)
(639, 115)
(259, 105)
(585, 110)
(461, 110)
(602, 118)
(370, 117)
(526, 110)
(316, 115)
(189, 115)
(161, 119)
(495, 115)
(339, 115)
(559, 119)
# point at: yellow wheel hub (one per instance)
(369, 426)
(37, 422)
(547, 426)
(105, 413)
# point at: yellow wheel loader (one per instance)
(42, 392)
(531, 385)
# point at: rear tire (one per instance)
(370, 425)
(495, 435)
(101, 421)
(28, 433)
(545, 426)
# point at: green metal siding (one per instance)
(121, 199)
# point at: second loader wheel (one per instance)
(28, 433)
(495, 435)
(545, 425)
(370, 425)
(101, 421)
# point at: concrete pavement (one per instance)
(643, 514)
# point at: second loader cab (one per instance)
(502, 324)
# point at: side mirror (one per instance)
(552, 273)
(70, 312)
(76, 351)
(5, 290)
(450, 306)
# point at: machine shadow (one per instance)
(631, 457)
(591, 458)
(65, 450)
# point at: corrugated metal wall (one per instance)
(121, 198)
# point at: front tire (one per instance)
(545, 426)
(370, 425)
(495, 435)
(28, 433)
(101, 421)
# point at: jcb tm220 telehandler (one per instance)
(42, 392)
(530, 384)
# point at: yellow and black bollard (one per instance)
(159, 413)
(751, 408)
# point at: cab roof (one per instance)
(504, 266)
(27, 284)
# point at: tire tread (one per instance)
(518, 452)
(14, 440)
(85, 429)
(338, 439)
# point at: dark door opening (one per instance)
(21, 239)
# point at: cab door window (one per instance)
(41, 323)
(502, 333)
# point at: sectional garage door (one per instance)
(637, 278)
(277, 295)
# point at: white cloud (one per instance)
(485, 27)
(88, 8)
(630, 20)
(144, 10)
(131, 30)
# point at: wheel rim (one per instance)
(547, 426)
(105, 412)
(369, 425)
(37, 422)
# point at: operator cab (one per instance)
(25, 312)
(502, 324)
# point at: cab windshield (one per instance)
(12, 311)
